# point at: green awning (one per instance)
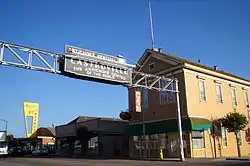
(200, 124)
(170, 125)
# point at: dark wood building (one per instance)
(93, 136)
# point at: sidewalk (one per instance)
(178, 159)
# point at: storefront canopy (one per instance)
(170, 125)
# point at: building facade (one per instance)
(93, 137)
(206, 94)
(42, 137)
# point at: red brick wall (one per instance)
(47, 140)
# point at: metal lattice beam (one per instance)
(23, 57)
(152, 82)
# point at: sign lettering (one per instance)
(93, 54)
(97, 70)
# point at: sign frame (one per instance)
(94, 77)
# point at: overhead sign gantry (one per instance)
(82, 64)
(87, 65)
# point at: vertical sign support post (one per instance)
(6, 128)
(182, 158)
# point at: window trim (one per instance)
(152, 63)
(142, 98)
(202, 138)
(205, 90)
(236, 101)
(246, 96)
(224, 146)
(241, 140)
(167, 94)
(162, 102)
(222, 97)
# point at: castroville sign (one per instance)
(97, 71)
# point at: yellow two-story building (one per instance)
(206, 94)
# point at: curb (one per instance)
(239, 159)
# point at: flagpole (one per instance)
(151, 24)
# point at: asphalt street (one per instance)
(96, 162)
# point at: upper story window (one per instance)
(234, 98)
(202, 90)
(246, 98)
(166, 96)
(219, 93)
(144, 94)
(151, 66)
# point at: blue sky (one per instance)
(216, 32)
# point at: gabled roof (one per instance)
(80, 119)
(52, 130)
(178, 60)
(44, 131)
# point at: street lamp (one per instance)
(6, 127)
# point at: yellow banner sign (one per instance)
(31, 110)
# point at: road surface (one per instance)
(102, 162)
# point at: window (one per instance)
(219, 93)
(154, 141)
(163, 95)
(167, 96)
(234, 100)
(151, 66)
(93, 143)
(144, 93)
(246, 98)
(239, 137)
(163, 140)
(224, 136)
(198, 139)
(202, 90)
(135, 138)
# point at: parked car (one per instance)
(3, 150)
(40, 152)
(15, 151)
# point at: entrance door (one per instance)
(198, 144)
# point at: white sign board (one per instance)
(100, 71)
(92, 54)
(2, 136)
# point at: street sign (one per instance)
(92, 54)
(2, 136)
(98, 71)
(31, 110)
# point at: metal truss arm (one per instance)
(23, 57)
(152, 82)
(35, 59)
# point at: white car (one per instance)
(3, 150)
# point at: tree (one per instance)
(10, 139)
(82, 134)
(235, 122)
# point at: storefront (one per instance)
(93, 136)
(43, 137)
(163, 134)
